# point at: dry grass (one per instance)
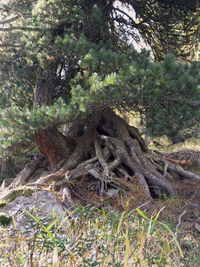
(99, 238)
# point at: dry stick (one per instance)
(79, 172)
(87, 162)
(53, 177)
(179, 220)
(75, 174)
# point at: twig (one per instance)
(179, 220)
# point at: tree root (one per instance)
(67, 201)
(171, 167)
(107, 149)
(27, 172)
(101, 159)
(143, 184)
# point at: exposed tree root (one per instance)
(107, 150)
(171, 167)
(142, 182)
(27, 172)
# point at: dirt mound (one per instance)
(184, 154)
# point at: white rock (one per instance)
(45, 202)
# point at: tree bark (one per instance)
(106, 151)
(7, 167)
(54, 145)
(103, 147)
(46, 85)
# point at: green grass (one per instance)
(98, 238)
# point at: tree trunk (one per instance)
(103, 148)
(7, 167)
(107, 149)
(106, 153)
(50, 142)
(44, 92)
(54, 145)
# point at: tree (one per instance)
(169, 27)
(66, 66)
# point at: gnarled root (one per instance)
(110, 153)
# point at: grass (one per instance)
(166, 145)
(104, 238)
(97, 238)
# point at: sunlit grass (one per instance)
(105, 238)
(96, 238)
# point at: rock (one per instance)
(39, 203)
(9, 195)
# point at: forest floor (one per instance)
(137, 232)
(185, 208)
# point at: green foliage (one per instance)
(19, 125)
(81, 45)
(173, 27)
(5, 219)
(2, 204)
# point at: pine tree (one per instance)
(66, 66)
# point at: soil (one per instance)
(188, 191)
(184, 209)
